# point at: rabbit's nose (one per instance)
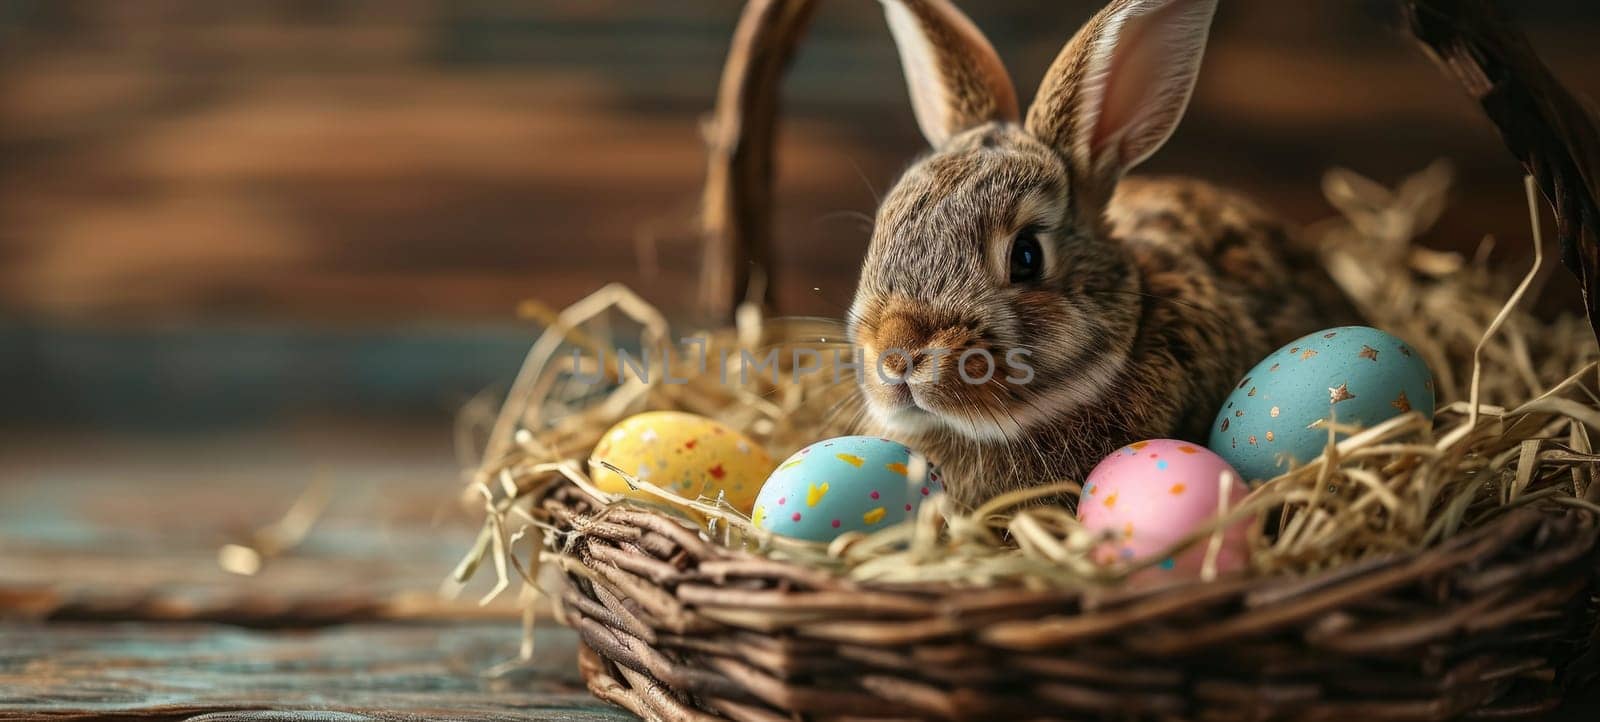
(917, 335)
(902, 332)
(897, 362)
(901, 362)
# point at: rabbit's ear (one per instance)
(1118, 90)
(956, 79)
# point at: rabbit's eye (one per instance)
(1027, 257)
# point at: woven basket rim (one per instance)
(729, 562)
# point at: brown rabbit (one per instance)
(1130, 307)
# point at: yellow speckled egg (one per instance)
(690, 455)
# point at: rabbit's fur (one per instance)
(1152, 297)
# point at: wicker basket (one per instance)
(1493, 622)
(676, 627)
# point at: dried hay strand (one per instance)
(1518, 409)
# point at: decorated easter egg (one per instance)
(1149, 495)
(852, 483)
(1354, 374)
(690, 455)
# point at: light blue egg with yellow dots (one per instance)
(1354, 374)
(851, 483)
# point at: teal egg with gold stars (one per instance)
(1355, 375)
(845, 484)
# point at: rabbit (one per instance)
(1132, 306)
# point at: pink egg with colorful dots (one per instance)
(1149, 495)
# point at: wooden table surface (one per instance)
(113, 606)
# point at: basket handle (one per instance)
(741, 137)
(1551, 132)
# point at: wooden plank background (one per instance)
(389, 160)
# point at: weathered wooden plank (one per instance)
(387, 672)
(391, 160)
(96, 528)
